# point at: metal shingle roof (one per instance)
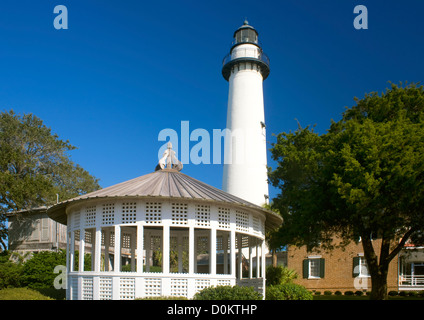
(165, 183)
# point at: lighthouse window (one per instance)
(246, 35)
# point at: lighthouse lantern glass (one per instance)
(246, 35)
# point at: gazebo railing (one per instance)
(128, 286)
(412, 281)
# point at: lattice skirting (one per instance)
(129, 288)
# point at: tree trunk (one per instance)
(379, 285)
(378, 271)
(274, 259)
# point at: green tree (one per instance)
(38, 272)
(10, 272)
(279, 275)
(35, 166)
(363, 178)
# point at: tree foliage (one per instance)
(279, 275)
(35, 167)
(38, 272)
(363, 178)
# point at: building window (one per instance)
(313, 268)
(360, 267)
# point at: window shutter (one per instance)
(45, 229)
(305, 269)
(321, 268)
(356, 266)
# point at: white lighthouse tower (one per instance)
(245, 163)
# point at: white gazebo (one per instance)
(162, 234)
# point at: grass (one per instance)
(22, 294)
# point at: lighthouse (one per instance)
(245, 162)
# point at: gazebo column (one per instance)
(133, 239)
(191, 247)
(165, 253)
(148, 245)
(98, 249)
(225, 248)
(195, 252)
(166, 282)
(263, 261)
(107, 244)
(72, 251)
(233, 252)
(140, 237)
(117, 257)
(258, 259)
(93, 247)
(212, 258)
(250, 257)
(180, 252)
(240, 256)
(81, 250)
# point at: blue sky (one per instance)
(125, 70)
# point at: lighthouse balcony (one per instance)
(247, 54)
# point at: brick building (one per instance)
(345, 269)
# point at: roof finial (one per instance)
(169, 160)
(245, 22)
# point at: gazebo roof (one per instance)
(166, 184)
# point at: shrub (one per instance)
(288, 291)
(38, 272)
(393, 293)
(317, 293)
(10, 272)
(349, 293)
(338, 293)
(228, 293)
(359, 293)
(279, 275)
(327, 293)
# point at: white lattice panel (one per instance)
(201, 284)
(223, 282)
(179, 287)
(90, 216)
(105, 289)
(256, 224)
(155, 242)
(203, 244)
(242, 221)
(153, 212)
(127, 288)
(126, 241)
(74, 286)
(179, 212)
(224, 218)
(87, 288)
(203, 215)
(108, 214)
(76, 217)
(152, 287)
(108, 236)
(88, 237)
(129, 212)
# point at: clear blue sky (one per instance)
(125, 70)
